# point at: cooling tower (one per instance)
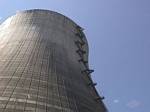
(44, 65)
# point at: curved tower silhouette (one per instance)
(44, 65)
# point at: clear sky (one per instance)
(118, 32)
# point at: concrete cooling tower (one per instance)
(44, 65)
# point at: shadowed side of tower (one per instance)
(44, 65)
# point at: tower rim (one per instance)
(46, 11)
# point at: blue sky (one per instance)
(118, 32)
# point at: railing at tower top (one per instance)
(81, 52)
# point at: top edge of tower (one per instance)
(46, 11)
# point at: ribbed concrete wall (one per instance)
(44, 65)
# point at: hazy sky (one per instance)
(118, 32)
